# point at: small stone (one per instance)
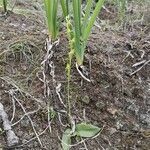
(12, 139)
(112, 110)
(86, 99)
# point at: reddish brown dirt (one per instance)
(115, 100)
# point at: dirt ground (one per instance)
(117, 100)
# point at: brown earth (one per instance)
(117, 100)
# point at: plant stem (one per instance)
(5, 5)
(67, 6)
(70, 56)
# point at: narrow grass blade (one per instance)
(67, 6)
(5, 5)
(77, 25)
(64, 7)
(54, 19)
(48, 15)
(88, 29)
(87, 14)
(51, 7)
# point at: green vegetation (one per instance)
(82, 130)
(79, 26)
(82, 26)
(79, 20)
(51, 7)
(65, 7)
(5, 5)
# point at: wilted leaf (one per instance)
(86, 130)
(66, 139)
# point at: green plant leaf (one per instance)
(64, 6)
(87, 130)
(92, 19)
(87, 14)
(5, 5)
(66, 139)
(77, 28)
(51, 7)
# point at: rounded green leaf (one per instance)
(87, 130)
(66, 139)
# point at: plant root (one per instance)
(83, 72)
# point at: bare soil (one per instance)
(117, 100)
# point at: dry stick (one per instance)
(128, 54)
(49, 54)
(84, 142)
(143, 53)
(85, 78)
(48, 118)
(11, 82)
(12, 139)
(14, 110)
(35, 137)
(52, 73)
(32, 124)
(140, 68)
(48, 109)
(29, 113)
(58, 89)
(139, 63)
(59, 118)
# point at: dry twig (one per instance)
(140, 68)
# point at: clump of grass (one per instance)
(78, 30)
(65, 7)
(78, 34)
(83, 26)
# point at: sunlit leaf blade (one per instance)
(54, 18)
(87, 14)
(77, 26)
(47, 9)
(64, 6)
(96, 11)
(87, 130)
(66, 139)
(51, 7)
(5, 5)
